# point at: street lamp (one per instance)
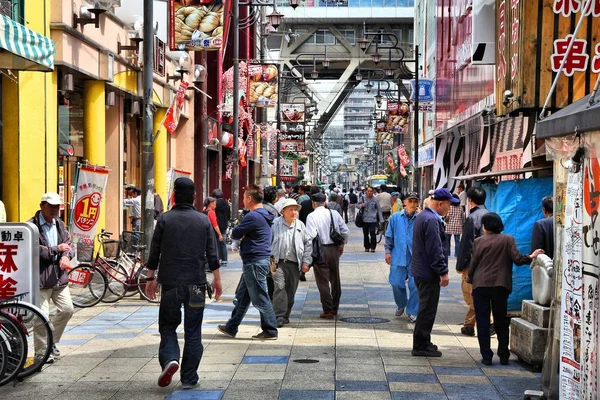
(363, 43)
(376, 58)
(368, 86)
(378, 99)
(303, 86)
(359, 76)
(294, 3)
(275, 18)
(314, 74)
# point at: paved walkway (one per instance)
(110, 351)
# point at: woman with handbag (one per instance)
(371, 218)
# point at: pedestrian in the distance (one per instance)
(396, 202)
(430, 268)
(292, 249)
(454, 226)
(333, 203)
(183, 242)
(490, 273)
(372, 217)
(255, 250)
(352, 201)
(345, 205)
(209, 209)
(223, 212)
(270, 194)
(398, 255)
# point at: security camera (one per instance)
(508, 96)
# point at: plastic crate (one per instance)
(85, 253)
(111, 248)
(129, 239)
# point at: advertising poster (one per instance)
(383, 136)
(403, 157)
(391, 163)
(397, 117)
(262, 85)
(172, 175)
(289, 170)
(590, 262)
(194, 26)
(292, 127)
(292, 113)
(571, 301)
(91, 183)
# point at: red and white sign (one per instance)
(19, 261)
(91, 183)
(174, 111)
(403, 157)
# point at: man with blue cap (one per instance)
(430, 268)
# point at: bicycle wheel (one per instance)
(87, 285)
(12, 334)
(3, 359)
(116, 289)
(39, 334)
(381, 233)
(141, 282)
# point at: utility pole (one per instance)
(147, 153)
(235, 178)
(278, 119)
(416, 175)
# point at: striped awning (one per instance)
(22, 49)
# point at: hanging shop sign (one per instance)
(213, 132)
(292, 135)
(403, 157)
(196, 27)
(391, 162)
(383, 136)
(289, 170)
(397, 117)
(159, 56)
(19, 261)
(424, 91)
(293, 113)
(174, 112)
(263, 85)
(87, 203)
(426, 154)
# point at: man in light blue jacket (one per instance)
(398, 254)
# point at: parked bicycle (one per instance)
(382, 229)
(110, 279)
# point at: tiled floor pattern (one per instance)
(110, 350)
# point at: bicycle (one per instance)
(13, 348)
(382, 229)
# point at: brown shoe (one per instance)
(327, 315)
(372, 250)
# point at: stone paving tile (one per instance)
(356, 385)
(416, 387)
(467, 391)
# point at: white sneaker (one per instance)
(412, 318)
(189, 386)
(399, 312)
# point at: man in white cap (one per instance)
(291, 248)
(56, 251)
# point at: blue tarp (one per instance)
(519, 204)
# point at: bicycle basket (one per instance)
(85, 253)
(130, 239)
(111, 248)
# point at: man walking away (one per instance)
(292, 248)
(303, 192)
(542, 236)
(223, 216)
(429, 268)
(471, 231)
(280, 199)
(455, 221)
(345, 205)
(333, 203)
(255, 234)
(372, 218)
(182, 243)
(398, 255)
(307, 208)
(352, 201)
(385, 201)
(327, 271)
(56, 251)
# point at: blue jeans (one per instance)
(398, 277)
(169, 318)
(253, 289)
(222, 247)
(456, 244)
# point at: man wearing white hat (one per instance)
(56, 251)
(291, 248)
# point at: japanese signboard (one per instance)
(19, 261)
(292, 136)
(172, 175)
(397, 117)
(91, 183)
(159, 56)
(289, 170)
(383, 136)
(425, 90)
(262, 85)
(292, 112)
(403, 157)
(391, 162)
(426, 154)
(571, 297)
(196, 27)
(174, 112)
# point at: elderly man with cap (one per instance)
(398, 255)
(291, 249)
(429, 268)
(321, 222)
(183, 242)
(135, 207)
(56, 251)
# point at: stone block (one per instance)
(535, 313)
(528, 341)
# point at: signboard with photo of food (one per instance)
(263, 85)
(397, 117)
(196, 25)
(292, 112)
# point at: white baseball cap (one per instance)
(52, 199)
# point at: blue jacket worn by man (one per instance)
(429, 261)
(255, 229)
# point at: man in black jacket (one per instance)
(183, 242)
(542, 236)
(223, 216)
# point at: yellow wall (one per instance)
(160, 154)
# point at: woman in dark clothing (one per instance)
(490, 272)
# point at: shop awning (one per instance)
(491, 174)
(578, 117)
(22, 49)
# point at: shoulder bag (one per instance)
(334, 235)
(359, 218)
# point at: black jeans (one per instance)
(370, 234)
(429, 297)
(222, 247)
(494, 299)
(169, 318)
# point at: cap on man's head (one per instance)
(395, 194)
(52, 199)
(443, 194)
(318, 198)
(412, 195)
(184, 186)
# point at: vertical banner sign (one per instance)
(391, 163)
(196, 27)
(91, 183)
(403, 157)
(262, 85)
(159, 56)
(591, 265)
(292, 136)
(289, 170)
(571, 297)
(174, 111)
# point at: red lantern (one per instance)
(227, 140)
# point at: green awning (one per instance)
(22, 49)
